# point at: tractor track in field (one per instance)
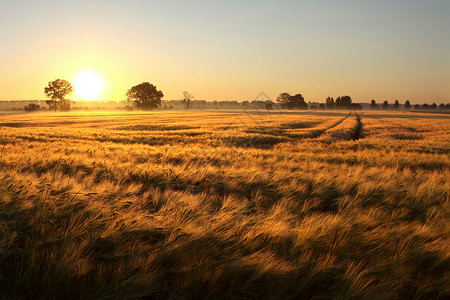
(358, 130)
(317, 133)
(354, 133)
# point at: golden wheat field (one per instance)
(221, 205)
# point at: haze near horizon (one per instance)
(383, 50)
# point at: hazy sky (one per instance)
(231, 50)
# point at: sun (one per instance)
(88, 85)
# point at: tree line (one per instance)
(298, 102)
(386, 106)
(145, 96)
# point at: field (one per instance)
(225, 205)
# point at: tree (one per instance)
(374, 105)
(145, 96)
(297, 101)
(396, 104)
(338, 103)
(385, 105)
(268, 105)
(356, 106)
(187, 99)
(344, 102)
(291, 102)
(330, 103)
(283, 98)
(32, 107)
(407, 104)
(57, 90)
(433, 106)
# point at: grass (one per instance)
(224, 205)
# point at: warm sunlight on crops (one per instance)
(225, 205)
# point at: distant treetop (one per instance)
(292, 102)
(145, 96)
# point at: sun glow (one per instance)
(88, 85)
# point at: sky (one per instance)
(231, 50)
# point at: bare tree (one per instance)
(187, 99)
